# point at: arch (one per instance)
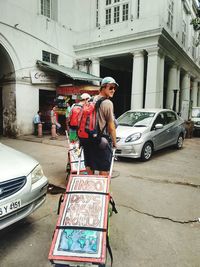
(9, 64)
(14, 59)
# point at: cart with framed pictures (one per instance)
(80, 237)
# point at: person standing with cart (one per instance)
(98, 155)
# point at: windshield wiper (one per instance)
(140, 125)
(124, 124)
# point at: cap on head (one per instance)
(85, 96)
(107, 80)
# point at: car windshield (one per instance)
(136, 118)
(196, 113)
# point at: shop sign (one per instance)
(41, 77)
(76, 90)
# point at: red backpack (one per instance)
(75, 115)
(88, 127)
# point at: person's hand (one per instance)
(114, 146)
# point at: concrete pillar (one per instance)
(194, 93)
(185, 96)
(172, 85)
(95, 69)
(178, 93)
(137, 91)
(185, 87)
(161, 79)
(155, 79)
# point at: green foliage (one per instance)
(196, 23)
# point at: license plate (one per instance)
(10, 207)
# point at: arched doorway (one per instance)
(7, 94)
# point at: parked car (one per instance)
(141, 132)
(196, 120)
(23, 186)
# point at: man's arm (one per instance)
(112, 132)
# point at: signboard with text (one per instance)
(41, 77)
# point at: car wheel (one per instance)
(179, 143)
(147, 151)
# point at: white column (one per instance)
(155, 79)
(185, 96)
(172, 85)
(194, 93)
(185, 87)
(137, 91)
(161, 82)
(95, 69)
(178, 87)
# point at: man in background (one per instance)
(36, 121)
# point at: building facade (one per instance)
(150, 49)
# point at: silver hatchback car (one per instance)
(140, 132)
(23, 186)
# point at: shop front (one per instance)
(71, 83)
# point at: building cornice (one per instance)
(117, 40)
(176, 52)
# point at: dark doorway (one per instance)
(1, 113)
(46, 102)
(120, 68)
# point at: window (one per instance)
(49, 57)
(108, 2)
(116, 14)
(117, 11)
(97, 13)
(46, 8)
(138, 9)
(125, 12)
(169, 117)
(184, 29)
(170, 15)
(194, 47)
(108, 16)
(49, 8)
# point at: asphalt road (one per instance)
(158, 204)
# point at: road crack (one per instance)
(165, 181)
(160, 217)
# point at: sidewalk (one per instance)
(45, 139)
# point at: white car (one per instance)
(140, 132)
(23, 186)
(196, 119)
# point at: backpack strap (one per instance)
(97, 107)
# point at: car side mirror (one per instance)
(158, 126)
